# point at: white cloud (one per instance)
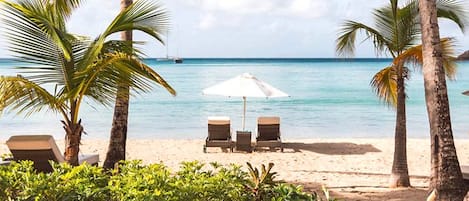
(207, 21)
(238, 6)
(294, 8)
(308, 8)
(93, 17)
(256, 14)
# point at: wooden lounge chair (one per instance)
(41, 149)
(268, 133)
(219, 133)
(465, 172)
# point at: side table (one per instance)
(243, 141)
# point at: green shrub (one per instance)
(134, 181)
(19, 181)
(218, 183)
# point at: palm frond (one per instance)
(449, 58)
(408, 26)
(142, 15)
(80, 46)
(32, 45)
(101, 81)
(453, 10)
(18, 93)
(127, 47)
(64, 7)
(140, 69)
(37, 13)
(414, 56)
(384, 84)
(345, 43)
(386, 24)
(397, 25)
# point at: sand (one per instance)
(352, 169)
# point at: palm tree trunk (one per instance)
(72, 141)
(446, 179)
(399, 172)
(116, 150)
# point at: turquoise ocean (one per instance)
(329, 98)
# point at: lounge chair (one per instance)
(41, 149)
(268, 133)
(219, 133)
(465, 172)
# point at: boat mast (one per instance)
(167, 43)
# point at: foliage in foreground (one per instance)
(134, 181)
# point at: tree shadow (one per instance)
(340, 148)
(362, 173)
(371, 193)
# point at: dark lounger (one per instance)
(268, 133)
(40, 149)
(219, 133)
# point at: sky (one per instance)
(246, 28)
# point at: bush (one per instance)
(19, 181)
(134, 181)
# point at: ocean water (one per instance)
(329, 98)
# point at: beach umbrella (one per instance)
(466, 93)
(245, 85)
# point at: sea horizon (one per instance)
(329, 98)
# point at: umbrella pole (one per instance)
(244, 112)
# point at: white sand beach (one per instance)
(352, 169)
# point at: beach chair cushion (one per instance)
(219, 128)
(219, 133)
(268, 128)
(37, 146)
(41, 149)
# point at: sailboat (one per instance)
(176, 60)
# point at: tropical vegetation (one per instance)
(134, 181)
(62, 69)
(397, 32)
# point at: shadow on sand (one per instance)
(340, 148)
(372, 193)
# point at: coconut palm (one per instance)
(76, 66)
(446, 181)
(118, 138)
(396, 32)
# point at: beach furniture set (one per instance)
(42, 148)
(219, 135)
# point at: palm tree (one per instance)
(396, 32)
(77, 66)
(446, 180)
(118, 138)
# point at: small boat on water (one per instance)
(177, 60)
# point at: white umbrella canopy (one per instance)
(245, 85)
